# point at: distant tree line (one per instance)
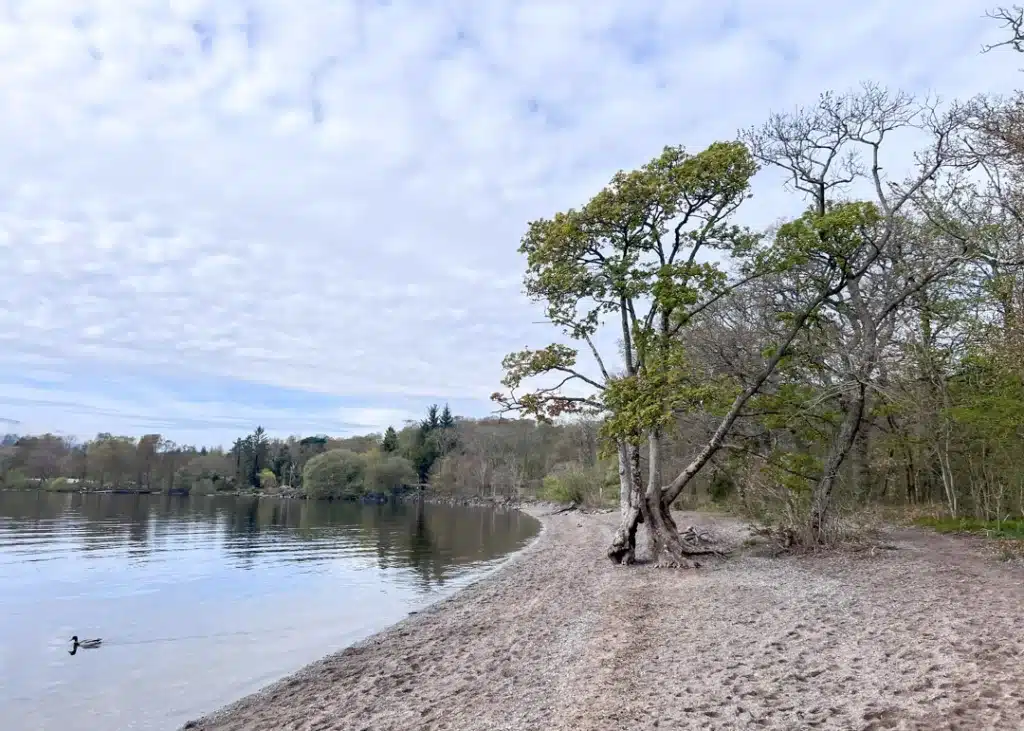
(456, 456)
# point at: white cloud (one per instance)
(167, 200)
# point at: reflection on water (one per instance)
(201, 600)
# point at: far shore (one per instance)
(921, 634)
(409, 494)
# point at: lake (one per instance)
(200, 601)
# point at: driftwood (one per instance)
(698, 542)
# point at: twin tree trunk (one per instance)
(649, 506)
(624, 541)
(653, 505)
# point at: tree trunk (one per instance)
(666, 547)
(623, 547)
(651, 507)
(821, 497)
(860, 471)
(623, 543)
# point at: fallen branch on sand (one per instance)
(697, 542)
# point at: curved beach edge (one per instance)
(314, 671)
(924, 636)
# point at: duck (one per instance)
(85, 644)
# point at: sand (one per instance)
(929, 635)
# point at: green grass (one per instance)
(1010, 528)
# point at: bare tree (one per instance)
(886, 257)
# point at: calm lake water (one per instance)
(201, 601)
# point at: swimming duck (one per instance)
(85, 644)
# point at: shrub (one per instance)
(386, 472)
(334, 474)
(60, 484)
(592, 486)
(268, 480)
(205, 474)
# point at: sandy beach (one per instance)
(926, 635)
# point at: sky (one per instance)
(222, 213)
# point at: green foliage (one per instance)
(387, 472)
(795, 471)
(206, 474)
(654, 398)
(635, 241)
(988, 398)
(390, 441)
(834, 238)
(544, 405)
(447, 419)
(432, 420)
(424, 453)
(1011, 527)
(342, 473)
(527, 363)
(594, 487)
(16, 479)
(254, 460)
(795, 406)
(722, 486)
(60, 484)
(336, 473)
(251, 455)
(598, 252)
(268, 480)
(424, 444)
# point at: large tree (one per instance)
(632, 260)
(886, 249)
(632, 253)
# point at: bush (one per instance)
(336, 473)
(60, 484)
(721, 487)
(575, 484)
(268, 480)
(205, 474)
(386, 472)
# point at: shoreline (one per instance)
(376, 498)
(925, 636)
(535, 510)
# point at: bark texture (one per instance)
(821, 497)
(623, 546)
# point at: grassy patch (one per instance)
(1008, 529)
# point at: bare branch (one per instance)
(1012, 19)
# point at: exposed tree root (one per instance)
(680, 562)
(669, 548)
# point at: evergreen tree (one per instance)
(432, 421)
(390, 441)
(259, 445)
(447, 421)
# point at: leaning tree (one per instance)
(630, 260)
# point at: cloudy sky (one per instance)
(305, 214)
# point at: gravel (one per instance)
(927, 636)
